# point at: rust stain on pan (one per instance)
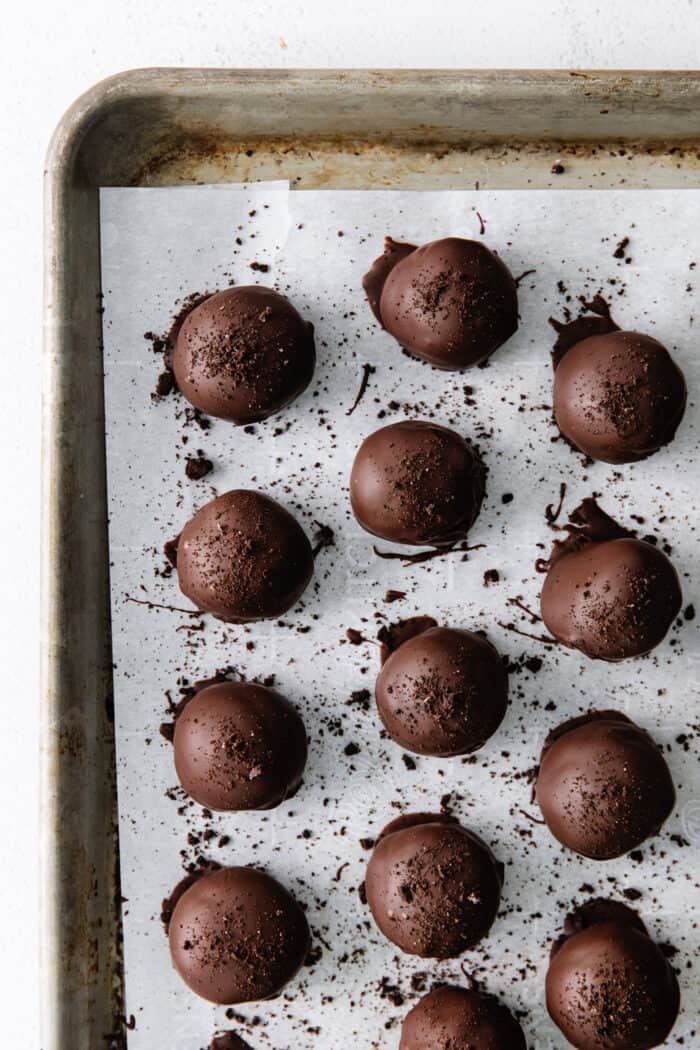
(335, 162)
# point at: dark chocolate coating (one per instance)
(239, 746)
(417, 483)
(432, 886)
(443, 692)
(611, 599)
(609, 987)
(603, 785)
(229, 1041)
(618, 397)
(243, 557)
(451, 302)
(460, 1019)
(237, 935)
(243, 354)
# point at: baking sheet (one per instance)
(159, 245)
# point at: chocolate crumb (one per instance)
(619, 252)
(197, 467)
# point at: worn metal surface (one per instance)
(349, 129)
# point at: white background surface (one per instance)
(53, 51)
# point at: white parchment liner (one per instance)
(159, 245)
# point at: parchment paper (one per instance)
(159, 245)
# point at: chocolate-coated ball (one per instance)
(443, 692)
(239, 746)
(612, 600)
(243, 557)
(417, 483)
(603, 785)
(432, 886)
(460, 1019)
(243, 354)
(618, 397)
(236, 936)
(609, 986)
(451, 302)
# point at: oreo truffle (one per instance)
(451, 302)
(603, 785)
(239, 746)
(618, 396)
(237, 936)
(432, 886)
(452, 1018)
(606, 593)
(609, 986)
(243, 557)
(228, 1041)
(443, 692)
(416, 483)
(243, 354)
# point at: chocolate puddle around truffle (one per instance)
(168, 904)
(170, 550)
(391, 636)
(374, 280)
(594, 913)
(588, 523)
(165, 344)
(167, 729)
(571, 332)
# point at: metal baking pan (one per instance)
(335, 129)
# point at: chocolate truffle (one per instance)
(443, 692)
(237, 935)
(460, 1019)
(243, 557)
(239, 745)
(603, 785)
(618, 397)
(432, 886)
(243, 354)
(417, 483)
(606, 593)
(229, 1041)
(451, 302)
(609, 986)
